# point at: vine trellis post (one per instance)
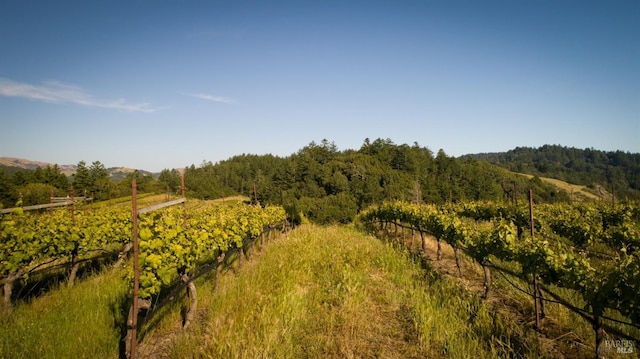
(136, 272)
(132, 321)
(536, 289)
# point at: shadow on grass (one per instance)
(46, 280)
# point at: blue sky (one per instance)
(164, 84)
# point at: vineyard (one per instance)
(590, 250)
(171, 246)
(584, 257)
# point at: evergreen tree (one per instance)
(170, 178)
(8, 194)
(100, 184)
(97, 171)
(53, 176)
(82, 178)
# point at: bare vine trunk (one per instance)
(413, 233)
(75, 265)
(219, 261)
(250, 247)
(423, 243)
(261, 241)
(142, 304)
(123, 255)
(541, 299)
(8, 288)
(240, 255)
(600, 335)
(404, 235)
(456, 252)
(439, 253)
(536, 301)
(193, 300)
(487, 281)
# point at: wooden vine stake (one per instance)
(50, 209)
(133, 315)
(75, 264)
(184, 204)
(536, 288)
(73, 206)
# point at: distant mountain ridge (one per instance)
(116, 174)
(67, 170)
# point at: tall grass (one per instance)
(319, 292)
(334, 292)
(79, 322)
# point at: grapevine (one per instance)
(567, 252)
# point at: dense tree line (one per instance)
(616, 171)
(323, 184)
(32, 186)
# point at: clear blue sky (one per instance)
(164, 84)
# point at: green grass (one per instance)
(125, 201)
(79, 322)
(319, 292)
(334, 292)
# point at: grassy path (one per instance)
(333, 292)
(319, 292)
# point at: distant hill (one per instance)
(575, 191)
(116, 174)
(20, 163)
(597, 170)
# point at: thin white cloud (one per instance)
(213, 98)
(56, 92)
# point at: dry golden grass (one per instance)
(578, 192)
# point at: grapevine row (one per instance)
(169, 248)
(493, 233)
(584, 225)
(173, 249)
(32, 241)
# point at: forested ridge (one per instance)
(324, 184)
(614, 169)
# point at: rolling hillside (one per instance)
(576, 192)
(116, 174)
